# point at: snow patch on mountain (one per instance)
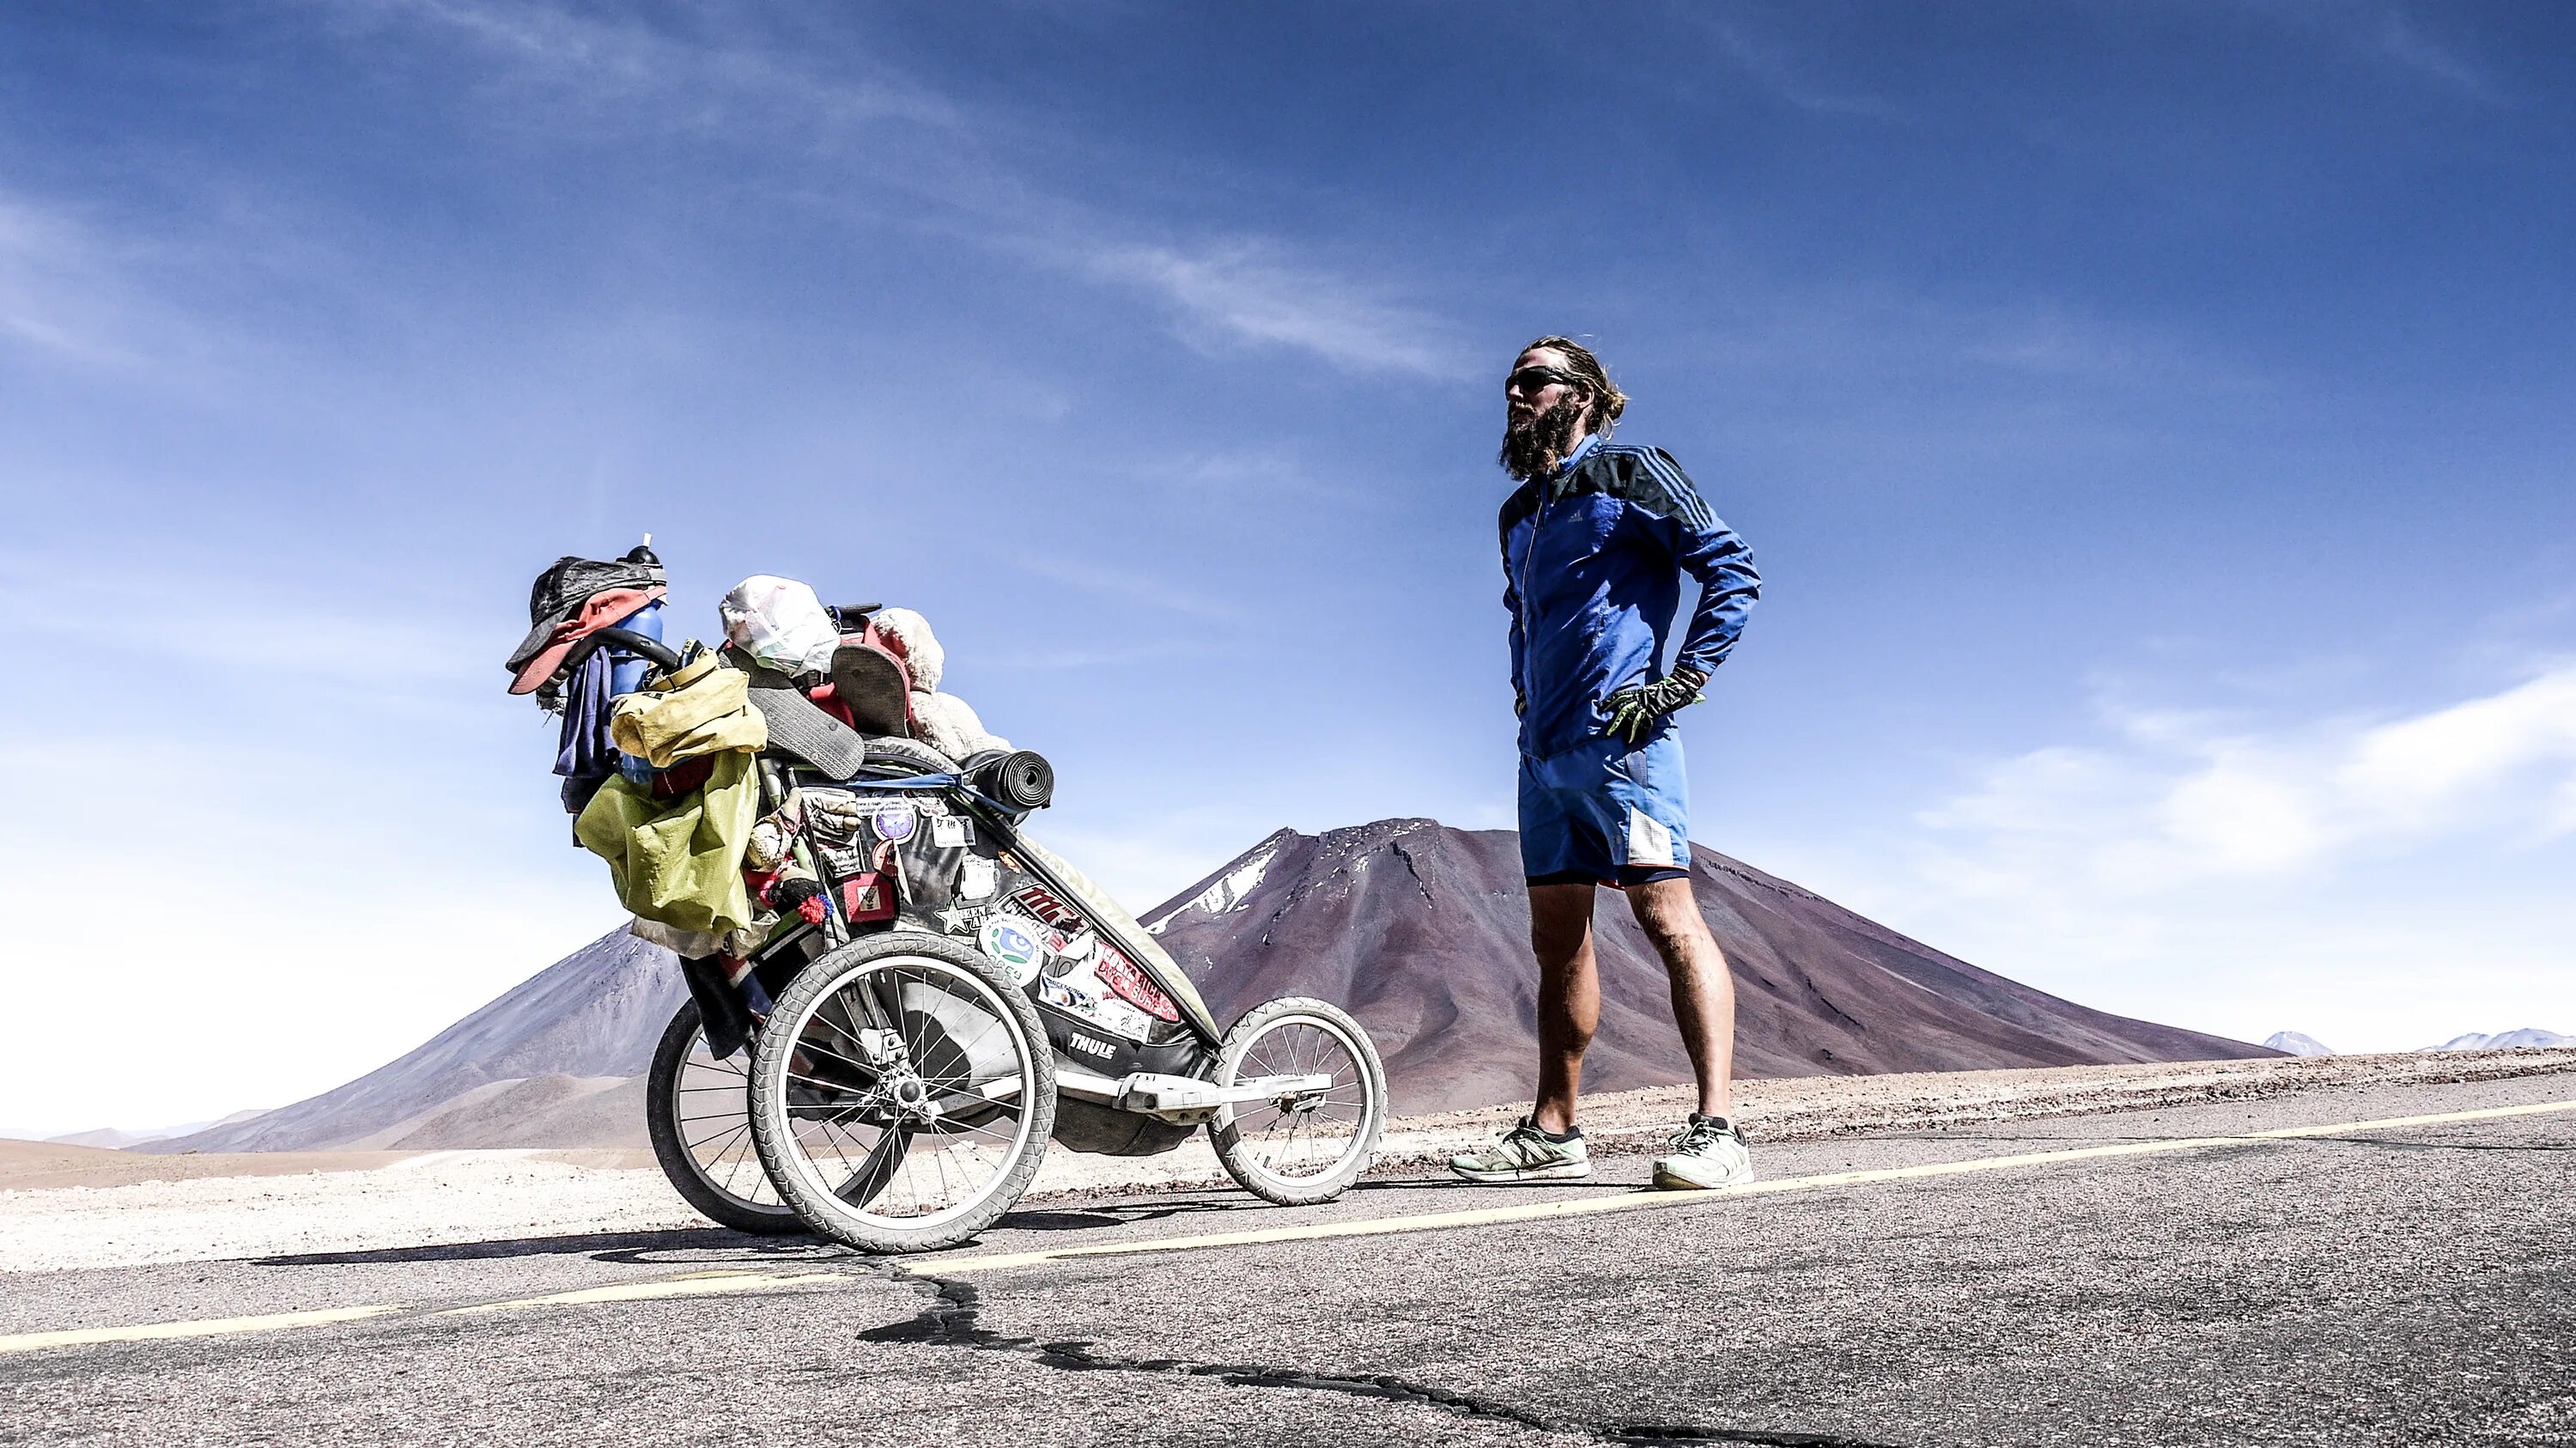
(2298, 1043)
(1228, 893)
(2525, 1038)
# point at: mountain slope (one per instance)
(1421, 930)
(596, 1012)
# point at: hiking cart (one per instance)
(964, 998)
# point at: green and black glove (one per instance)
(1636, 709)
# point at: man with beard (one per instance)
(1595, 540)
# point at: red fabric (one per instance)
(903, 656)
(828, 699)
(683, 777)
(597, 612)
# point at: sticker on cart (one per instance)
(1125, 1019)
(1011, 943)
(1046, 905)
(950, 832)
(977, 878)
(1058, 993)
(1064, 956)
(894, 821)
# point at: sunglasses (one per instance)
(1530, 379)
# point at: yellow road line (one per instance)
(696, 1285)
(210, 1327)
(704, 1283)
(1652, 1200)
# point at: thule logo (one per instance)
(1090, 1047)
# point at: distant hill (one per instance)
(1422, 932)
(2296, 1044)
(114, 1139)
(597, 1012)
(2503, 1041)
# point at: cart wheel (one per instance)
(1305, 1147)
(902, 1093)
(697, 1110)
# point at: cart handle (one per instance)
(626, 641)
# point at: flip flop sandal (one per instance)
(872, 682)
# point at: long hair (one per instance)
(1607, 400)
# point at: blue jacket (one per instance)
(1592, 562)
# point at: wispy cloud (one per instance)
(1079, 657)
(2398, 38)
(1777, 72)
(1134, 588)
(2388, 33)
(60, 292)
(1236, 293)
(1848, 330)
(1219, 292)
(2379, 881)
(346, 636)
(2182, 798)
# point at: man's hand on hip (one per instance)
(1635, 710)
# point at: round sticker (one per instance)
(894, 821)
(1012, 943)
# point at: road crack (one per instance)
(953, 1317)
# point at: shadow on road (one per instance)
(1120, 1214)
(609, 1246)
(717, 1245)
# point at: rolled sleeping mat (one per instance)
(1021, 780)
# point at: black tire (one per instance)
(694, 1143)
(814, 1092)
(1253, 1151)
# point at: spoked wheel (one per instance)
(1307, 1144)
(697, 1110)
(902, 1093)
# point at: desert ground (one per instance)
(65, 1207)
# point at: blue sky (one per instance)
(2152, 421)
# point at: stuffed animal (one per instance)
(942, 721)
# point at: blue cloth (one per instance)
(1604, 814)
(1593, 557)
(583, 755)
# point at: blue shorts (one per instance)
(1600, 814)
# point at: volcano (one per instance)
(1422, 932)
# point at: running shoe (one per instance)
(1526, 1154)
(1707, 1154)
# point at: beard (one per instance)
(1532, 449)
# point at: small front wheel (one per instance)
(902, 1093)
(1310, 1142)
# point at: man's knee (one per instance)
(1669, 915)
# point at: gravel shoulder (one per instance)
(86, 1209)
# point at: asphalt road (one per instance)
(2413, 1284)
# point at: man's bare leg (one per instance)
(1569, 997)
(1703, 989)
